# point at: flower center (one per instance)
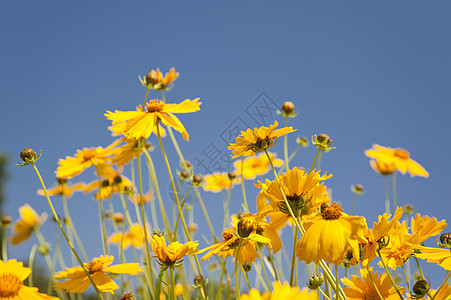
(332, 212)
(371, 295)
(227, 234)
(89, 153)
(401, 153)
(10, 285)
(95, 266)
(154, 106)
(295, 198)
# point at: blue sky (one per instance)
(363, 72)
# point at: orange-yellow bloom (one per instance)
(400, 158)
(330, 236)
(12, 275)
(29, 222)
(217, 182)
(134, 236)
(363, 289)
(156, 81)
(113, 182)
(257, 140)
(382, 167)
(281, 292)
(257, 165)
(84, 159)
(99, 268)
(140, 124)
(171, 255)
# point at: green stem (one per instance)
(159, 281)
(407, 279)
(337, 283)
(293, 258)
(242, 184)
(387, 195)
(271, 260)
(245, 277)
(178, 217)
(64, 233)
(419, 267)
(442, 285)
(353, 204)
(71, 227)
(143, 215)
(31, 263)
(389, 275)
(101, 215)
(226, 208)
(374, 284)
(395, 201)
(262, 264)
(207, 217)
(235, 273)
(318, 163)
(4, 243)
(172, 289)
(292, 155)
(285, 147)
(182, 218)
(145, 98)
(314, 161)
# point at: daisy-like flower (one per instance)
(171, 256)
(257, 140)
(281, 292)
(257, 165)
(400, 158)
(29, 222)
(12, 275)
(113, 182)
(304, 192)
(217, 182)
(380, 230)
(63, 189)
(330, 236)
(156, 81)
(140, 124)
(382, 168)
(99, 269)
(84, 159)
(363, 289)
(118, 129)
(134, 236)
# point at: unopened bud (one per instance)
(108, 214)
(246, 226)
(198, 280)
(186, 165)
(323, 137)
(128, 296)
(302, 141)
(61, 180)
(445, 240)
(288, 108)
(409, 209)
(357, 189)
(44, 249)
(27, 155)
(231, 175)
(247, 267)
(192, 227)
(197, 179)
(105, 183)
(184, 175)
(152, 78)
(315, 281)
(421, 287)
(117, 179)
(6, 220)
(118, 217)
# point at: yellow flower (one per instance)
(82, 160)
(140, 124)
(398, 157)
(134, 236)
(99, 268)
(423, 227)
(171, 255)
(359, 289)
(257, 140)
(330, 236)
(63, 189)
(29, 221)
(379, 231)
(145, 198)
(303, 191)
(113, 182)
(118, 129)
(281, 292)
(435, 255)
(12, 275)
(156, 81)
(217, 182)
(259, 165)
(382, 167)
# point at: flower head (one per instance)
(141, 124)
(281, 292)
(257, 165)
(217, 182)
(330, 236)
(63, 189)
(400, 158)
(99, 268)
(12, 275)
(113, 182)
(172, 254)
(257, 140)
(363, 289)
(134, 236)
(29, 221)
(156, 81)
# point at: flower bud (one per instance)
(302, 141)
(61, 180)
(107, 214)
(409, 209)
(105, 183)
(323, 137)
(192, 227)
(6, 220)
(246, 226)
(128, 296)
(117, 179)
(323, 142)
(231, 175)
(357, 189)
(44, 249)
(198, 280)
(421, 287)
(315, 281)
(288, 108)
(247, 267)
(152, 78)
(445, 240)
(118, 217)
(184, 175)
(197, 179)
(186, 165)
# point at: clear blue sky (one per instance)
(362, 71)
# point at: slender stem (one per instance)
(235, 273)
(442, 285)
(64, 233)
(387, 195)
(245, 277)
(31, 263)
(314, 161)
(182, 218)
(292, 155)
(260, 256)
(143, 215)
(159, 281)
(242, 184)
(101, 215)
(374, 284)
(325, 296)
(178, 217)
(389, 275)
(145, 98)
(419, 267)
(407, 279)
(293, 257)
(4, 243)
(337, 283)
(352, 204)
(172, 289)
(226, 208)
(395, 201)
(318, 163)
(71, 227)
(285, 146)
(207, 217)
(271, 260)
